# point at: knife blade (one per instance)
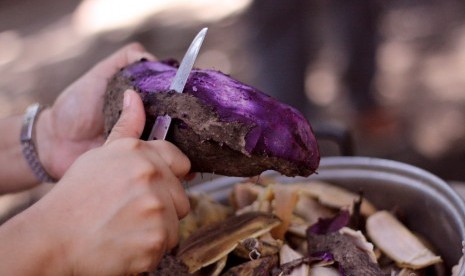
(162, 123)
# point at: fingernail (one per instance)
(127, 99)
(146, 57)
(137, 55)
(149, 56)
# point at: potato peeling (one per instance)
(289, 229)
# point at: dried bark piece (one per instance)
(397, 242)
(254, 248)
(207, 210)
(297, 228)
(261, 204)
(284, 203)
(351, 260)
(249, 248)
(287, 254)
(324, 271)
(187, 226)
(211, 243)
(170, 266)
(204, 211)
(333, 196)
(214, 269)
(289, 267)
(244, 194)
(329, 225)
(262, 266)
(311, 210)
(360, 242)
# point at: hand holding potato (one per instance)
(114, 212)
(74, 124)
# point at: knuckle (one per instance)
(186, 165)
(156, 247)
(132, 144)
(173, 238)
(127, 144)
(174, 157)
(145, 264)
(146, 173)
(157, 243)
(184, 207)
(152, 204)
(182, 162)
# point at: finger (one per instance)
(190, 176)
(165, 183)
(168, 226)
(176, 160)
(126, 55)
(180, 200)
(170, 222)
(170, 184)
(132, 120)
(173, 234)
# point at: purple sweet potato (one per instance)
(222, 125)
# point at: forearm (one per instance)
(29, 249)
(15, 173)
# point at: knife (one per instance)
(162, 123)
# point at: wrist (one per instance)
(45, 141)
(27, 245)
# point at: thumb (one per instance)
(132, 120)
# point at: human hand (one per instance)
(74, 124)
(116, 210)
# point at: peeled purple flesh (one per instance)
(329, 225)
(222, 125)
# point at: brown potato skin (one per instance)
(212, 144)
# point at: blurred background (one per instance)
(389, 73)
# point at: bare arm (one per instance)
(15, 173)
(72, 126)
(114, 212)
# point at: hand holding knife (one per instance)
(162, 123)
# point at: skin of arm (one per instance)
(72, 126)
(114, 212)
(15, 173)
